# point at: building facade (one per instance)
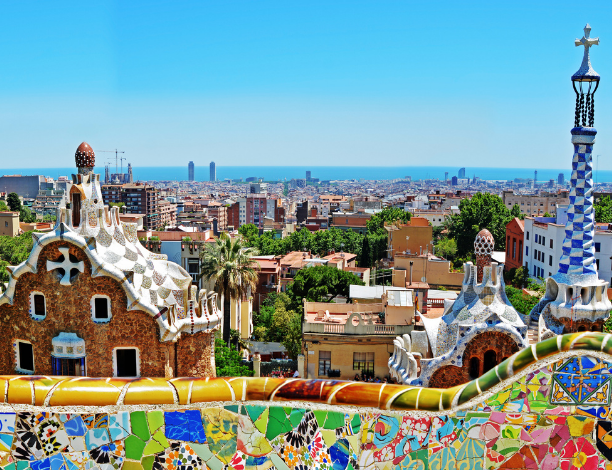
(191, 172)
(536, 205)
(91, 300)
(213, 171)
(515, 235)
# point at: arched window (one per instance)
(581, 328)
(490, 360)
(474, 368)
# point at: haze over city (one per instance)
(276, 83)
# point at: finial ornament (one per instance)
(586, 72)
(585, 102)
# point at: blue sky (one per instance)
(302, 83)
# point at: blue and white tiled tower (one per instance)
(576, 299)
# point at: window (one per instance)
(324, 362)
(25, 357)
(551, 243)
(549, 260)
(527, 233)
(513, 249)
(543, 241)
(597, 247)
(526, 251)
(100, 308)
(38, 306)
(126, 362)
(68, 366)
(6, 224)
(363, 361)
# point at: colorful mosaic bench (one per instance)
(546, 407)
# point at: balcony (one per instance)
(360, 329)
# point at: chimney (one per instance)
(411, 263)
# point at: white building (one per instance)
(543, 247)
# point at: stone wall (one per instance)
(68, 309)
(450, 376)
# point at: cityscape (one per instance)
(227, 313)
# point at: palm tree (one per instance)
(229, 263)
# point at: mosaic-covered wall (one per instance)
(549, 413)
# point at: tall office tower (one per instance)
(576, 299)
(535, 178)
(561, 179)
(213, 172)
(130, 176)
(461, 173)
(446, 176)
(191, 172)
(308, 175)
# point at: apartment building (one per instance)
(138, 198)
(355, 221)
(253, 209)
(515, 236)
(544, 247)
(536, 205)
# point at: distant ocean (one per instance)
(279, 173)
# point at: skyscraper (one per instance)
(213, 172)
(561, 178)
(308, 175)
(190, 171)
(461, 173)
(446, 176)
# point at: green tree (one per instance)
(228, 361)
(483, 210)
(516, 212)
(320, 284)
(376, 224)
(228, 262)
(603, 210)
(26, 215)
(522, 302)
(546, 214)
(13, 202)
(447, 248)
(365, 259)
(250, 232)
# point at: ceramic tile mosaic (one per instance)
(523, 425)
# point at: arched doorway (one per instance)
(474, 368)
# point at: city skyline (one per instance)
(320, 83)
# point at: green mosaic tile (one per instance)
(254, 411)
(147, 462)
(140, 428)
(153, 447)
(160, 437)
(127, 465)
(296, 416)
(262, 422)
(155, 419)
(277, 422)
(232, 408)
(320, 416)
(334, 420)
(356, 423)
(134, 447)
(278, 462)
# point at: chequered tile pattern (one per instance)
(578, 255)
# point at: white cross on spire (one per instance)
(587, 41)
(66, 265)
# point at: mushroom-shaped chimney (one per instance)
(85, 158)
(483, 248)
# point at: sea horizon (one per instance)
(323, 173)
